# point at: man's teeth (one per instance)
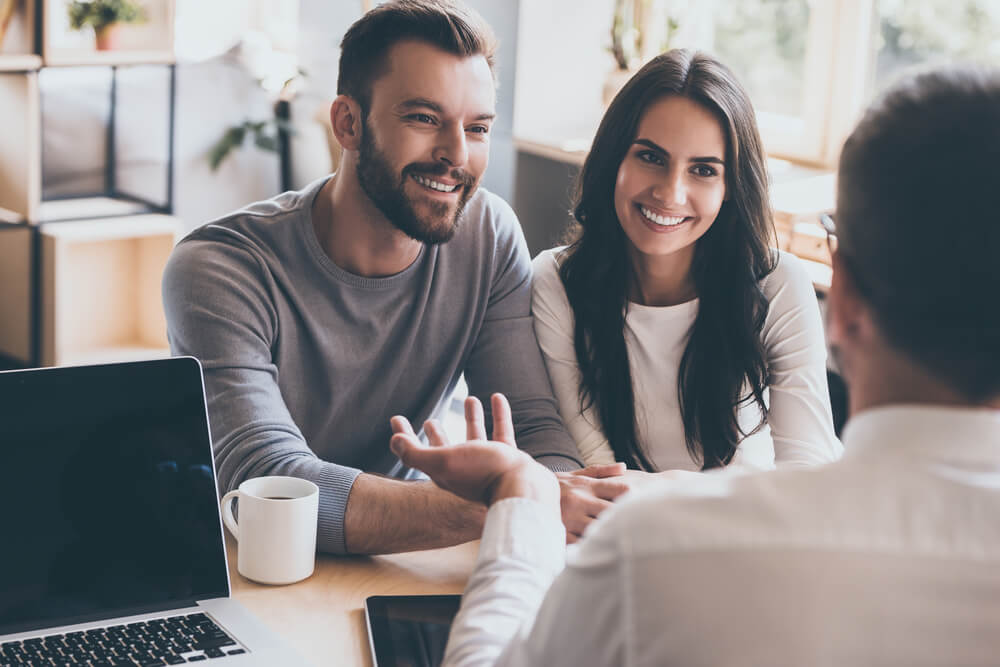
(434, 185)
(665, 220)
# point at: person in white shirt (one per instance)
(675, 336)
(889, 556)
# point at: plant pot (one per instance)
(108, 37)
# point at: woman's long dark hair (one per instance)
(724, 364)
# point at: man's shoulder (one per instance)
(259, 225)
(723, 511)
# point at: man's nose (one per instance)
(451, 147)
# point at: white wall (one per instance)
(212, 96)
(562, 63)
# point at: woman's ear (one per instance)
(346, 121)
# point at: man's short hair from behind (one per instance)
(919, 226)
(447, 25)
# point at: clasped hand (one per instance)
(482, 470)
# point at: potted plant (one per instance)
(105, 17)
(636, 36)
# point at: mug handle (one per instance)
(227, 513)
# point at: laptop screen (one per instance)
(107, 493)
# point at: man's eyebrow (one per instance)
(424, 103)
(659, 149)
(419, 103)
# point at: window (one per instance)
(912, 32)
(811, 65)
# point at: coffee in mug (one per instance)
(276, 531)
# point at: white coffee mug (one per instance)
(276, 533)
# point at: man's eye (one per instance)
(421, 118)
(478, 129)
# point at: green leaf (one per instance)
(232, 138)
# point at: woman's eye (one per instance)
(704, 171)
(650, 157)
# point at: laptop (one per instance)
(112, 545)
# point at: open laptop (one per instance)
(112, 547)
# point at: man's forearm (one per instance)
(387, 516)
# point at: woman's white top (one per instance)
(799, 429)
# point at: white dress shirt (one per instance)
(890, 556)
(800, 425)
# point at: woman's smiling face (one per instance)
(672, 181)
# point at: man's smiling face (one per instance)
(425, 142)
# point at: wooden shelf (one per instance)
(20, 144)
(85, 58)
(82, 208)
(15, 292)
(10, 217)
(572, 152)
(17, 42)
(147, 43)
(19, 62)
(100, 288)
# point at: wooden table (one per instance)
(323, 616)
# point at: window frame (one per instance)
(838, 65)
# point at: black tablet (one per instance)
(409, 630)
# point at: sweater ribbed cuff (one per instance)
(335, 484)
(558, 463)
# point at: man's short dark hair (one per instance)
(919, 226)
(447, 25)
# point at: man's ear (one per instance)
(345, 118)
(848, 314)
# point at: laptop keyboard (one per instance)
(163, 641)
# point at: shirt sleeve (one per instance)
(218, 310)
(553, 318)
(799, 413)
(505, 357)
(519, 609)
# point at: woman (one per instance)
(675, 337)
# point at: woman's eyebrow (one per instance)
(659, 149)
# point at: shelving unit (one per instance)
(80, 275)
(147, 43)
(95, 315)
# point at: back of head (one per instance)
(447, 25)
(918, 226)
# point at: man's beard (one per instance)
(376, 177)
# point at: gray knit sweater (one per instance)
(305, 363)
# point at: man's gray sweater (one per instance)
(305, 363)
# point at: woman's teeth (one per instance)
(434, 185)
(664, 220)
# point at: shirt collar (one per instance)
(928, 432)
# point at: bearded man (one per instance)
(320, 314)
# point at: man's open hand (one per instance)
(479, 470)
